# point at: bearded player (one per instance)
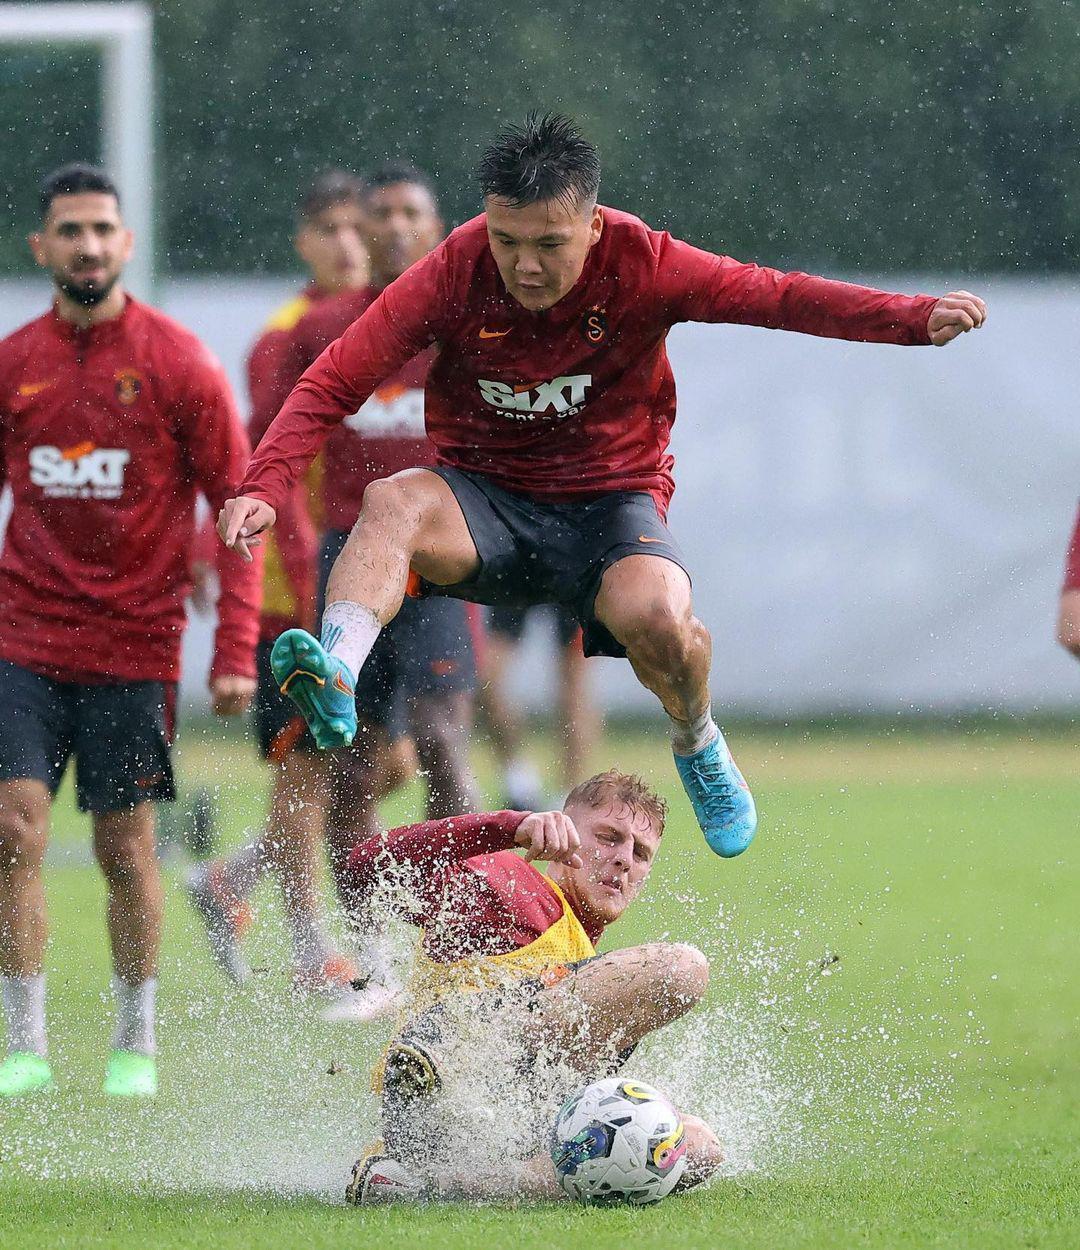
(112, 418)
(550, 404)
(508, 978)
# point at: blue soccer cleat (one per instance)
(721, 799)
(320, 686)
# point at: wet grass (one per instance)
(889, 1046)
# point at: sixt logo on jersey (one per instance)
(84, 471)
(559, 398)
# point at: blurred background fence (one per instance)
(872, 529)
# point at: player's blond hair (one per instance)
(619, 787)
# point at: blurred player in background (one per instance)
(508, 982)
(1068, 630)
(577, 725)
(421, 678)
(330, 242)
(550, 404)
(112, 418)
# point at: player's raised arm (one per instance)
(399, 324)
(700, 286)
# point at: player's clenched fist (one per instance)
(241, 520)
(954, 314)
(550, 836)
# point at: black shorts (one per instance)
(119, 735)
(510, 623)
(532, 552)
(426, 649)
(279, 726)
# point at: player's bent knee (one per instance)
(666, 635)
(685, 976)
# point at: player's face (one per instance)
(541, 248)
(84, 245)
(618, 845)
(403, 226)
(332, 246)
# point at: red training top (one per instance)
(470, 893)
(569, 403)
(384, 435)
(1072, 561)
(290, 574)
(106, 437)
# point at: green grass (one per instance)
(922, 1090)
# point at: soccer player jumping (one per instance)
(550, 404)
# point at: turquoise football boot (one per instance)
(721, 800)
(320, 686)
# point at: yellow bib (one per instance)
(565, 942)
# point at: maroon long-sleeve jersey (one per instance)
(572, 402)
(386, 432)
(470, 894)
(106, 437)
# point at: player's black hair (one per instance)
(548, 158)
(72, 180)
(393, 172)
(330, 187)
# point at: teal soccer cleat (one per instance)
(320, 686)
(721, 799)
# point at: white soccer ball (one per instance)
(618, 1141)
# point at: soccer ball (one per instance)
(618, 1141)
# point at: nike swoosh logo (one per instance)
(642, 538)
(33, 388)
(485, 333)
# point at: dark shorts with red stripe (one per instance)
(279, 727)
(118, 733)
(532, 552)
(427, 649)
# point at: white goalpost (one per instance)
(123, 37)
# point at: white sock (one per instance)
(689, 736)
(24, 1008)
(135, 1016)
(349, 631)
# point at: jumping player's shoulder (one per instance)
(633, 243)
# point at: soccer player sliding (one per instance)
(550, 404)
(508, 986)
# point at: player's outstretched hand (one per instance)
(231, 695)
(550, 836)
(241, 520)
(954, 314)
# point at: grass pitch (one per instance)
(888, 1048)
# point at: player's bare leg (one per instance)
(646, 604)
(410, 521)
(441, 726)
(24, 823)
(125, 850)
(615, 1001)
(522, 789)
(363, 776)
(578, 716)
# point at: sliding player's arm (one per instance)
(699, 286)
(403, 321)
(416, 859)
